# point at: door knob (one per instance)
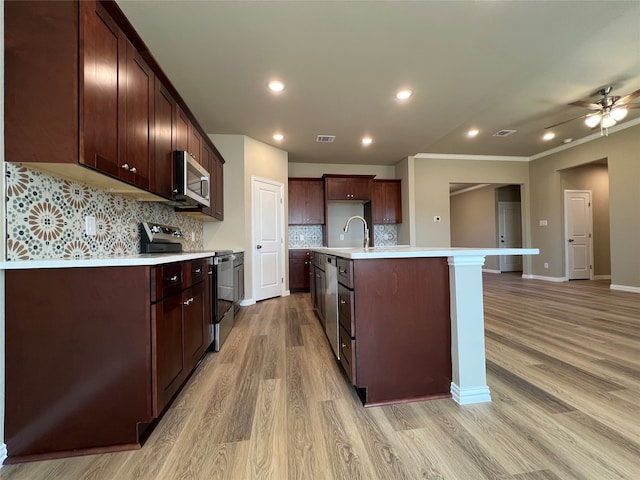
(258, 247)
(570, 240)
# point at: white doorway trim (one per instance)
(510, 234)
(583, 221)
(280, 235)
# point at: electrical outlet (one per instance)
(193, 236)
(301, 237)
(544, 223)
(342, 236)
(546, 265)
(90, 225)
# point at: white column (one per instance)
(469, 375)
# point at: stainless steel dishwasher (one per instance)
(331, 304)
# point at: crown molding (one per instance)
(461, 156)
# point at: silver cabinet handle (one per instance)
(133, 170)
(343, 345)
(125, 166)
(174, 278)
(188, 301)
(198, 270)
(342, 302)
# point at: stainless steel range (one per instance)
(221, 269)
(157, 238)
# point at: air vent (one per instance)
(325, 138)
(504, 133)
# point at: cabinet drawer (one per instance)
(166, 279)
(345, 272)
(346, 312)
(348, 355)
(196, 271)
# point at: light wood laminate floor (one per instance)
(563, 368)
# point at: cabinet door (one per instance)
(386, 202)
(168, 344)
(164, 114)
(195, 143)
(314, 203)
(195, 324)
(206, 162)
(136, 126)
(182, 130)
(296, 202)
(103, 66)
(299, 262)
(337, 189)
(217, 195)
(360, 188)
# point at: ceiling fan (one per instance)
(607, 111)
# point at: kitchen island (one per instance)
(411, 321)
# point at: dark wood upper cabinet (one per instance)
(182, 129)
(195, 144)
(306, 201)
(117, 100)
(348, 187)
(103, 58)
(386, 202)
(164, 128)
(82, 90)
(217, 182)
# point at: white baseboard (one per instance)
(465, 396)
(624, 288)
(490, 270)
(247, 301)
(286, 293)
(3, 453)
(602, 277)
(546, 279)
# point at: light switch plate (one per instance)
(90, 225)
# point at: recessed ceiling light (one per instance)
(404, 94)
(276, 86)
(548, 136)
(367, 141)
(473, 132)
(278, 137)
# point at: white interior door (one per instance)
(268, 234)
(510, 235)
(578, 230)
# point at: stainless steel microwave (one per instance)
(192, 182)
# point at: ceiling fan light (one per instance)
(619, 113)
(608, 121)
(592, 120)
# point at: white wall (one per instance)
(244, 157)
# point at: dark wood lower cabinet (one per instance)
(395, 328)
(299, 270)
(95, 354)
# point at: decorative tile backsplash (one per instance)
(385, 235)
(308, 236)
(305, 236)
(46, 219)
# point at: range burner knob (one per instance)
(155, 229)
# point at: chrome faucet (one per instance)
(366, 229)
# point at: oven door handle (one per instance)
(225, 258)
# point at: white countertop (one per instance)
(404, 251)
(124, 261)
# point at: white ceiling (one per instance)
(492, 65)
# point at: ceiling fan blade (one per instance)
(567, 121)
(592, 106)
(627, 98)
(633, 105)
